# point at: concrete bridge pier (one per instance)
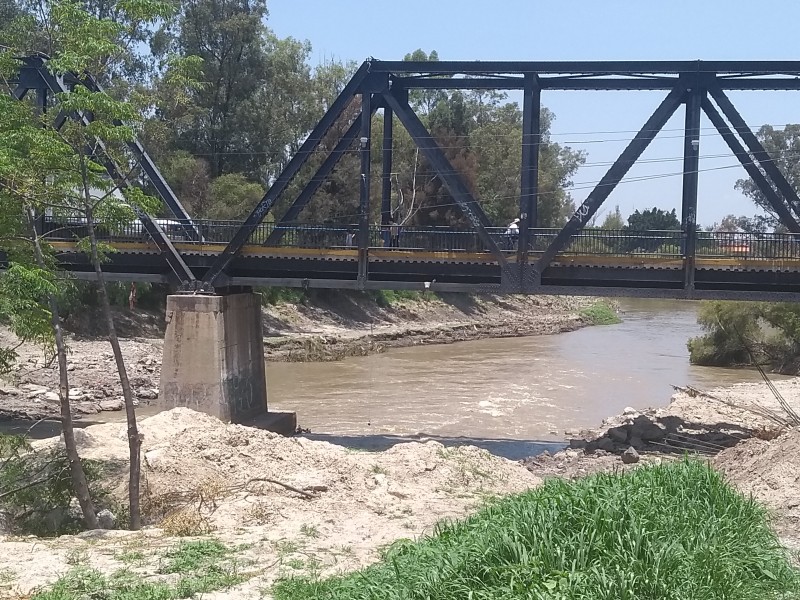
(213, 359)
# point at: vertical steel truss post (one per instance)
(736, 147)
(295, 164)
(444, 169)
(529, 175)
(691, 172)
(386, 181)
(365, 146)
(765, 161)
(614, 175)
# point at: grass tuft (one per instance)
(667, 531)
(202, 567)
(600, 313)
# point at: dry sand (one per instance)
(360, 501)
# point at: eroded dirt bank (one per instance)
(332, 327)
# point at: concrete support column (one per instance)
(214, 356)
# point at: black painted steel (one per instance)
(19, 92)
(314, 183)
(365, 145)
(386, 177)
(286, 176)
(691, 175)
(47, 82)
(154, 175)
(775, 201)
(614, 175)
(626, 82)
(179, 267)
(613, 67)
(529, 175)
(427, 144)
(757, 150)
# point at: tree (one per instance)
(28, 290)
(654, 219)
(783, 146)
(613, 220)
(77, 181)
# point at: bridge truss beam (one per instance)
(385, 85)
(688, 83)
(34, 76)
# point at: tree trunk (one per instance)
(80, 486)
(134, 440)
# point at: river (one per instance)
(514, 396)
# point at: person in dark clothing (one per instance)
(394, 234)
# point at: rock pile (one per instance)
(40, 401)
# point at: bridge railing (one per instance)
(601, 242)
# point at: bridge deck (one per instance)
(407, 255)
(633, 274)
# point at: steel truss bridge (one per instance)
(204, 256)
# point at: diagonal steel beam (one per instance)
(775, 201)
(19, 92)
(425, 142)
(154, 175)
(765, 161)
(295, 164)
(162, 241)
(614, 175)
(325, 169)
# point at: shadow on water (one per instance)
(511, 449)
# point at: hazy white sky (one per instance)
(601, 123)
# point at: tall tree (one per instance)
(783, 146)
(28, 288)
(77, 180)
(653, 219)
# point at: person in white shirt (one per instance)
(512, 232)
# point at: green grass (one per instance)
(388, 298)
(203, 567)
(601, 313)
(661, 532)
(194, 556)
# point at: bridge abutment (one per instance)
(213, 359)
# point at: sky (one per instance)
(600, 123)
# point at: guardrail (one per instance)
(601, 242)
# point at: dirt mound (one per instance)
(192, 459)
(769, 470)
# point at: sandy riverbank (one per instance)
(330, 328)
(342, 506)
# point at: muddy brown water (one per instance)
(514, 396)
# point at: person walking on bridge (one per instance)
(512, 234)
(394, 233)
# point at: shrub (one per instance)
(36, 488)
(667, 531)
(601, 313)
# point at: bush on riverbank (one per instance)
(667, 531)
(740, 332)
(36, 489)
(601, 313)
